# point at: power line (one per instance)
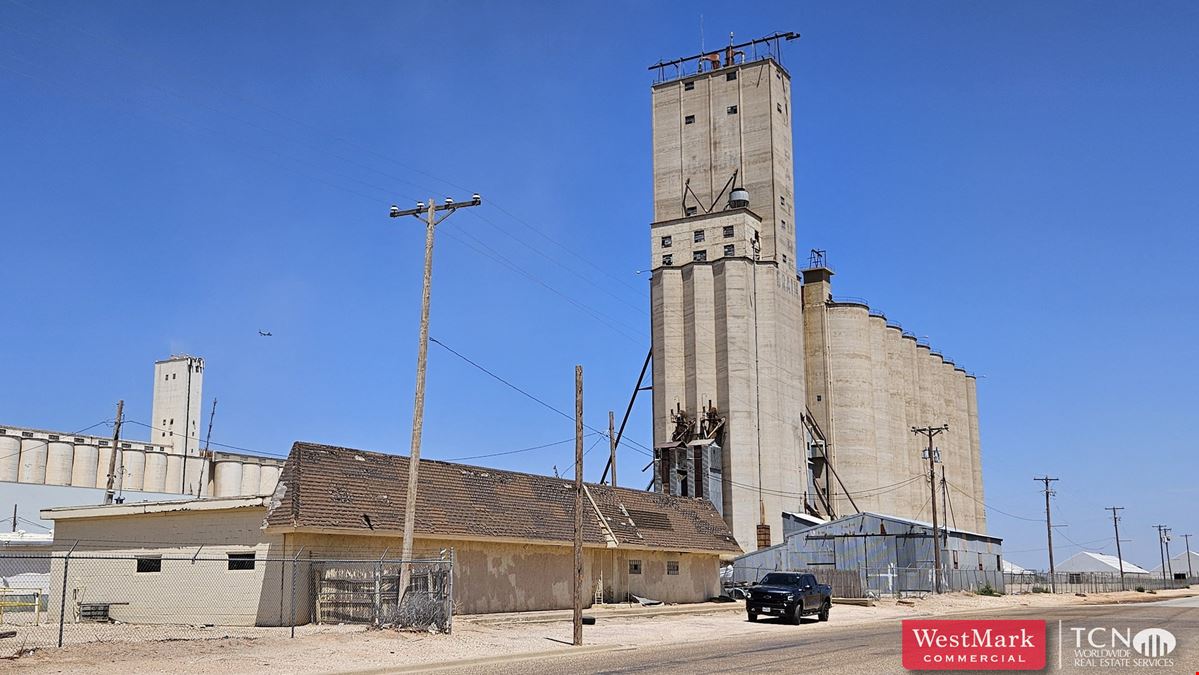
(993, 508)
(510, 452)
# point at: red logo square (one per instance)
(974, 645)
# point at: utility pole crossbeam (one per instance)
(116, 447)
(932, 432)
(1116, 524)
(422, 354)
(1049, 529)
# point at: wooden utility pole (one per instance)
(116, 447)
(422, 353)
(14, 517)
(1049, 530)
(1169, 570)
(627, 411)
(932, 432)
(612, 444)
(1116, 524)
(1161, 539)
(1190, 573)
(944, 502)
(578, 580)
(206, 455)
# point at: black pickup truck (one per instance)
(788, 595)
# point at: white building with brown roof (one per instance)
(511, 535)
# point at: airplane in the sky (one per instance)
(264, 333)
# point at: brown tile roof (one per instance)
(327, 487)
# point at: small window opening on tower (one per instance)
(730, 250)
(784, 258)
(730, 76)
(783, 224)
(666, 241)
(732, 110)
(782, 200)
(697, 236)
(728, 231)
(779, 107)
(691, 210)
(668, 259)
(690, 119)
(688, 86)
(699, 256)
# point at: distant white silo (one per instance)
(103, 456)
(133, 463)
(83, 468)
(60, 455)
(227, 478)
(251, 473)
(33, 461)
(10, 458)
(155, 472)
(268, 480)
(173, 479)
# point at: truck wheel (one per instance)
(823, 616)
(797, 615)
(753, 616)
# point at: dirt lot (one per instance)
(345, 648)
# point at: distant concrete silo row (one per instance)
(48, 458)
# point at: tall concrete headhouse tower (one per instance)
(769, 396)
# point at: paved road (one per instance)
(874, 648)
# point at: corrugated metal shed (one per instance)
(892, 554)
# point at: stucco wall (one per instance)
(488, 576)
(511, 577)
(104, 568)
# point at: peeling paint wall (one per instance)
(509, 577)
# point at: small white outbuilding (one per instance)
(1178, 564)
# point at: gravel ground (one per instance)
(346, 648)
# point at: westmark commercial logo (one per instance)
(974, 645)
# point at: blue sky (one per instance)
(1016, 180)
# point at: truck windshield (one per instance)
(776, 579)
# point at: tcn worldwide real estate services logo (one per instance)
(974, 645)
(1120, 649)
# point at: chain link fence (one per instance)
(1090, 582)
(62, 599)
(898, 582)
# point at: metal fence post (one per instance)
(292, 621)
(62, 599)
(378, 603)
(449, 624)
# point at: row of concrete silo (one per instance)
(46, 458)
(879, 384)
